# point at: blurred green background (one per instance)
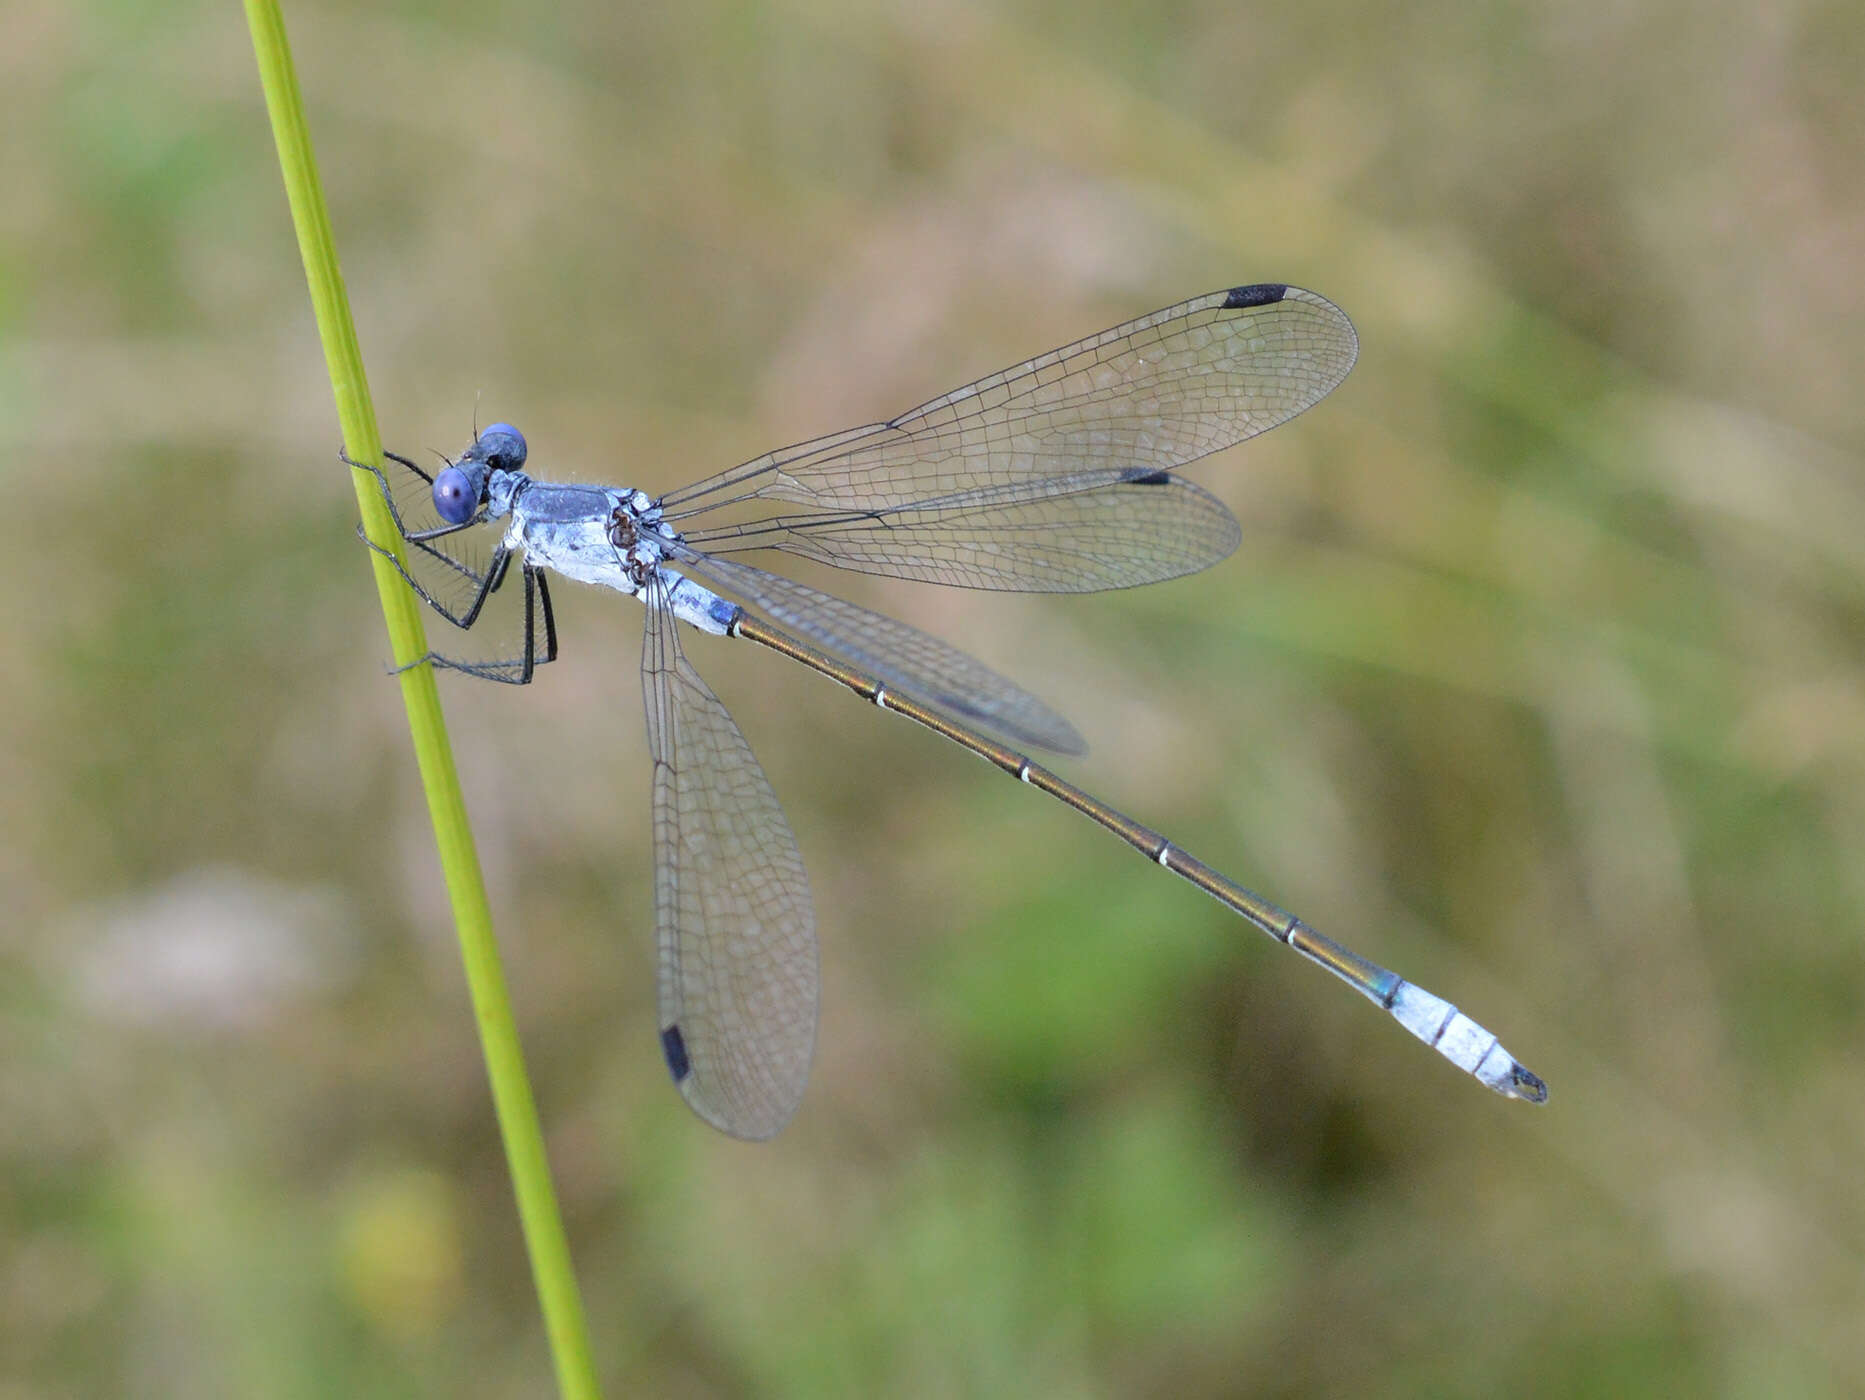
(1538, 679)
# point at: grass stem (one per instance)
(511, 1091)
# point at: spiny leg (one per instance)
(485, 585)
(515, 672)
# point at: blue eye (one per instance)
(502, 445)
(454, 497)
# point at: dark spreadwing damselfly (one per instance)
(1054, 476)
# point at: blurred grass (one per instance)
(1537, 678)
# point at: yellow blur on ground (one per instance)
(399, 1248)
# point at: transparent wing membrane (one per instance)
(902, 657)
(732, 912)
(1090, 533)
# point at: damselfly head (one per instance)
(460, 490)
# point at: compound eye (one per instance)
(454, 497)
(502, 445)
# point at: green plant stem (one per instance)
(498, 1032)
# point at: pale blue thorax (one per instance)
(568, 528)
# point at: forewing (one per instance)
(738, 972)
(1151, 393)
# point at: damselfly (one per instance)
(1055, 475)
